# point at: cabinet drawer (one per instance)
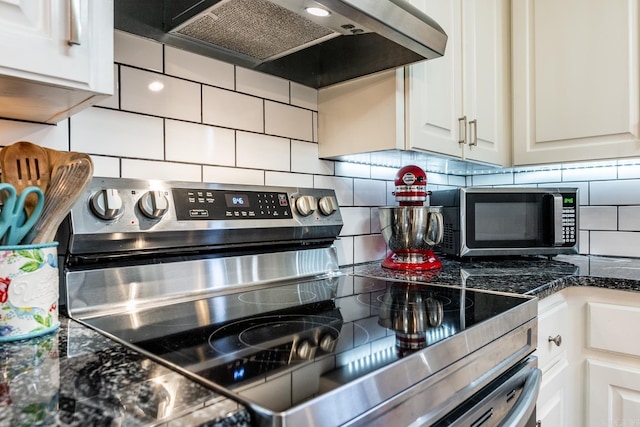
(613, 328)
(553, 322)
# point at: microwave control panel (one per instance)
(569, 219)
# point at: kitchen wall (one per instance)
(179, 116)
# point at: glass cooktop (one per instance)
(284, 344)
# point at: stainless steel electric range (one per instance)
(239, 288)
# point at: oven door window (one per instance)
(509, 220)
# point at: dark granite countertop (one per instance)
(536, 276)
(77, 377)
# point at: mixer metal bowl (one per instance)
(411, 229)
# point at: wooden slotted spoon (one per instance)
(23, 165)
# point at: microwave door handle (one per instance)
(557, 220)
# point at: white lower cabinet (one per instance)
(614, 394)
(552, 406)
(593, 378)
(612, 352)
(555, 407)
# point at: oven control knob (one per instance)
(304, 350)
(107, 204)
(328, 205)
(327, 343)
(306, 205)
(153, 204)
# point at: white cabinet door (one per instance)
(614, 394)
(55, 55)
(554, 331)
(575, 80)
(459, 105)
(552, 409)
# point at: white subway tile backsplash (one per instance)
(369, 192)
(383, 172)
(344, 247)
(56, 137)
(288, 121)
(196, 143)
(590, 174)
(315, 126)
(287, 179)
(12, 131)
(229, 175)
(535, 177)
(106, 166)
(389, 193)
(233, 110)
(375, 221)
(437, 179)
(628, 171)
(492, 179)
(342, 186)
(146, 169)
(354, 170)
(137, 51)
(598, 218)
(629, 218)
(180, 63)
(456, 180)
(117, 133)
(159, 95)
(583, 243)
(262, 85)
(621, 192)
(356, 221)
(304, 96)
(614, 243)
(304, 159)
(368, 248)
(113, 101)
(263, 151)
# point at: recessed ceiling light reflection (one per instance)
(316, 11)
(156, 86)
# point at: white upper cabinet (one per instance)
(459, 105)
(56, 57)
(423, 107)
(575, 80)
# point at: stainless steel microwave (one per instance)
(508, 221)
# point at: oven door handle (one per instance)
(524, 407)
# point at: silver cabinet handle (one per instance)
(557, 340)
(473, 126)
(75, 23)
(462, 131)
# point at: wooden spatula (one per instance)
(25, 164)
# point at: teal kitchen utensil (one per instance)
(14, 222)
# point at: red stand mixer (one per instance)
(411, 229)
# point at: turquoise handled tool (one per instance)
(13, 226)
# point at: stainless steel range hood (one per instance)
(279, 37)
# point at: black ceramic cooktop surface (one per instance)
(252, 336)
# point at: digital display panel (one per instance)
(237, 200)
